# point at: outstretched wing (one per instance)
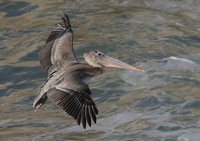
(73, 96)
(59, 45)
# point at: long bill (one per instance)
(115, 63)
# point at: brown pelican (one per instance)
(65, 86)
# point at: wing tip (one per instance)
(65, 23)
(66, 20)
(62, 27)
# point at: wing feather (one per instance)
(59, 45)
(88, 118)
(75, 104)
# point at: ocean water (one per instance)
(161, 104)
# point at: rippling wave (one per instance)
(161, 104)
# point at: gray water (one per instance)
(161, 104)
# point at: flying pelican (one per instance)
(65, 86)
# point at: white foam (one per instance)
(183, 64)
(192, 135)
(158, 71)
(182, 59)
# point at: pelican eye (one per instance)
(100, 54)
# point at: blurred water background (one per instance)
(163, 37)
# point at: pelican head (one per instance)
(99, 59)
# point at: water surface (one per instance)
(161, 104)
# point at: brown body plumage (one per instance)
(65, 86)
